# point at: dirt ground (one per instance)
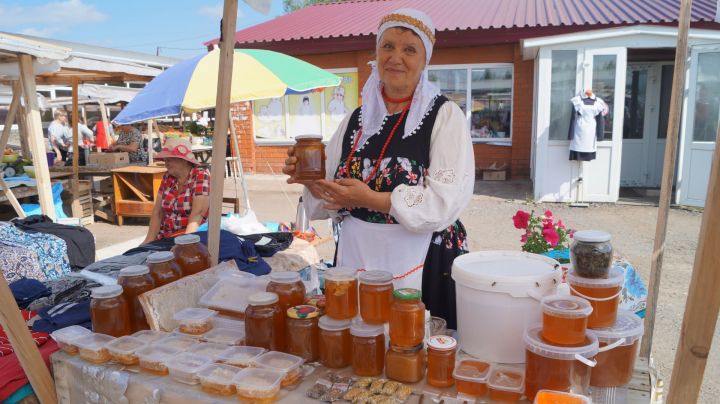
(489, 225)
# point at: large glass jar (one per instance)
(163, 268)
(368, 349)
(302, 334)
(290, 291)
(136, 280)
(376, 296)
(406, 365)
(441, 361)
(264, 322)
(310, 154)
(109, 311)
(190, 254)
(591, 253)
(407, 318)
(341, 293)
(335, 343)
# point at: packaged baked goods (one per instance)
(66, 337)
(179, 342)
(218, 379)
(150, 336)
(258, 385)
(185, 366)
(195, 320)
(225, 336)
(93, 347)
(153, 358)
(240, 356)
(208, 349)
(122, 350)
(290, 365)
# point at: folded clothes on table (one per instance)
(27, 291)
(67, 289)
(63, 315)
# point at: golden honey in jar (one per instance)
(565, 319)
(191, 255)
(335, 343)
(615, 366)
(407, 318)
(310, 154)
(602, 293)
(405, 365)
(341, 293)
(302, 336)
(136, 280)
(376, 296)
(368, 349)
(264, 322)
(163, 268)
(290, 291)
(441, 360)
(109, 311)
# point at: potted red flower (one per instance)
(543, 234)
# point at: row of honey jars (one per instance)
(109, 311)
(136, 280)
(191, 255)
(341, 293)
(376, 296)
(290, 291)
(407, 318)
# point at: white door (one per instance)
(700, 123)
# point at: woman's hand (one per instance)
(352, 193)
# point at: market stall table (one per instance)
(136, 188)
(24, 191)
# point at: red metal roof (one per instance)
(360, 17)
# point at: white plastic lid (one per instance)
(218, 373)
(308, 136)
(179, 342)
(284, 277)
(135, 270)
(566, 306)
(262, 298)
(106, 292)
(330, 324)
(160, 256)
(592, 236)
(628, 325)
(157, 352)
(93, 341)
(225, 336)
(126, 345)
(363, 329)
(187, 362)
(505, 378)
(615, 278)
(279, 361)
(208, 349)
(534, 343)
(340, 274)
(194, 314)
(258, 380)
(186, 239)
(240, 355)
(231, 294)
(150, 336)
(375, 277)
(472, 370)
(69, 334)
(518, 274)
(442, 343)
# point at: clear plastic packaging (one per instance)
(218, 379)
(225, 336)
(195, 321)
(615, 365)
(179, 342)
(208, 349)
(66, 338)
(603, 294)
(122, 350)
(565, 319)
(258, 385)
(506, 384)
(152, 358)
(177, 333)
(93, 347)
(232, 323)
(229, 296)
(471, 377)
(559, 397)
(240, 356)
(150, 336)
(286, 363)
(185, 366)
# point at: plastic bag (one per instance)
(34, 209)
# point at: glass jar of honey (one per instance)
(109, 311)
(302, 335)
(441, 360)
(376, 296)
(565, 319)
(264, 322)
(335, 343)
(163, 268)
(289, 288)
(405, 365)
(368, 349)
(310, 154)
(407, 318)
(341, 293)
(615, 366)
(190, 254)
(136, 280)
(602, 293)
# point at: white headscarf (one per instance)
(373, 110)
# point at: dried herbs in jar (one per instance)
(591, 253)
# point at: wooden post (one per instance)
(222, 109)
(106, 124)
(74, 185)
(35, 137)
(150, 150)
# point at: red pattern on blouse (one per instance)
(177, 200)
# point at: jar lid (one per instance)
(616, 277)
(340, 274)
(106, 292)
(505, 378)
(303, 311)
(363, 329)
(405, 349)
(375, 277)
(330, 324)
(442, 343)
(135, 270)
(407, 294)
(160, 256)
(308, 136)
(284, 277)
(566, 306)
(592, 236)
(628, 325)
(186, 239)
(535, 343)
(262, 298)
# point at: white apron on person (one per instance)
(384, 247)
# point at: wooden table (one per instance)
(135, 189)
(202, 153)
(24, 191)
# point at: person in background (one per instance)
(58, 134)
(130, 140)
(86, 140)
(103, 139)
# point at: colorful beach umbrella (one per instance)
(191, 85)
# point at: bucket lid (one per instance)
(340, 274)
(566, 306)
(407, 294)
(262, 298)
(628, 325)
(363, 329)
(615, 278)
(160, 256)
(106, 292)
(506, 378)
(592, 236)
(330, 324)
(535, 344)
(187, 239)
(442, 343)
(303, 311)
(518, 274)
(284, 277)
(375, 277)
(135, 270)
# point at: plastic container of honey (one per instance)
(302, 337)
(407, 318)
(122, 350)
(191, 255)
(66, 338)
(136, 280)
(109, 311)
(225, 336)
(565, 319)
(603, 294)
(555, 367)
(376, 296)
(310, 154)
(505, 384)
(405, 365)
(264, 322)
(471, 377)
(195, 321)
(258, 385)
(341, 293)
(289, 365)
(185, 366)
(368, 348)
(218, 379)
(619, 346)
(335, 342)
(240, 356)
(150, 336)
(153, 358)
(441, 360)
(559, 397)
(93, 347)
(212, 351)
(163, 267)
(179, 342)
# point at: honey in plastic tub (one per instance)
(195, 321)
(289, 365)
(66, 337)
(407, 318)
(555, 367)
(136, 280)
(335, 342)
(163, 267)
(603, 294)
(225, 336)
(619, 346)
(559, 397)
(209, 349)
(376, 296)
(264, 322)
(565, 319)
(218, 379)
(93, 347)
(405, 365)
(240, 356)
(191, 254)
(153, 358)
(109, 311)
(310, 154)
(179, 342)
(368, 348)
(185, 367)
(122, 350)
(471, 377)
(341, 293)
(150, 336)
(302, 337)
(258, 386)
(505, 384)
(441, 360)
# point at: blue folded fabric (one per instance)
(243, 252)
(63, 315)
(27, 290)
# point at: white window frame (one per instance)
(468, 94)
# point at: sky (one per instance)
(177, 27)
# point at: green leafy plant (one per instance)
(542, 232)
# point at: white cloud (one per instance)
(49, 18)
(215, 11)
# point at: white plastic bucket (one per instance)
(498, 295)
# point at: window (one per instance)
(707, 98)
(603, 84)
(635, 88)
(562, 88)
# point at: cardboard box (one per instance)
(494, 175)
(103, 185)
(109, 160)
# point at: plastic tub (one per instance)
(185, 366)
(498, 296)
(559, 397)
(618, 350)
(240, 356)
(208, 349)
(225, 336)
(195, 321)
(179, 342)
(286, 363)
(258, 385)
(471, 377)
(565, 319)
(152, 358)
(506, 384)
(93, 347)
(177, 333)
(150, 336)
(557, 368)
(218, 379)
(603, 295)
(229, 296)
(228, 323)
(122, 350)
(66, 338)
